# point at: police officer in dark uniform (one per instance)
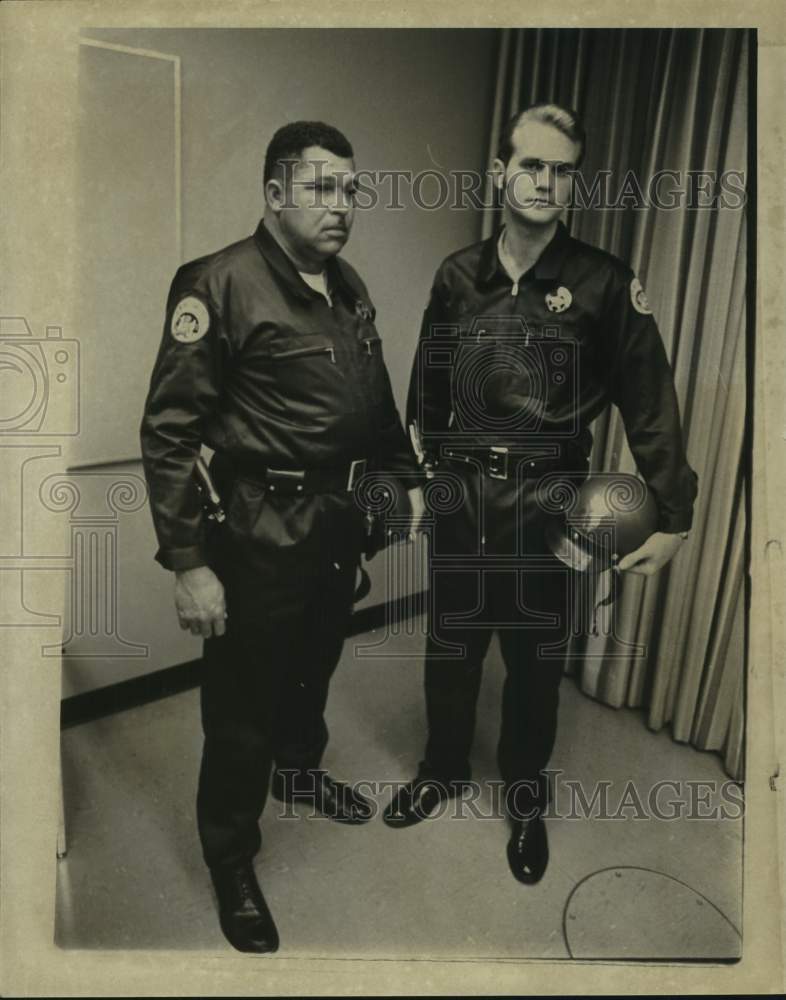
(527, 337)
(271, 358)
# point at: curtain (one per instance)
(666, 99)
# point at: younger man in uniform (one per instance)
(527, 338)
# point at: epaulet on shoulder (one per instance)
(468, 252)
(206, 275)
(352, 278)
(217, 261)
(601, 257)
(465, 259)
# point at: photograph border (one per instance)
(38, 45)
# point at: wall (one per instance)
(411, 100)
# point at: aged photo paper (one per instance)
(71, 403)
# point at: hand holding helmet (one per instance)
(611, 522)
(658, 549)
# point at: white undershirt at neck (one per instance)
(512, 269)
(318, 282)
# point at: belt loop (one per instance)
(356, 470)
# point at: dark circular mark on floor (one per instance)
(640, 913)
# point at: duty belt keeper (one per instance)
(276, 478)
(356, 470)
(297, 482)
(498, 463)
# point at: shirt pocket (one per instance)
(310, 350)
(307, 380)
(372, 363)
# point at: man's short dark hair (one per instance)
(290, 140)
(563, 118)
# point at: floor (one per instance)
(630, 885)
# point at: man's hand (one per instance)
(652, 555)
(199, 599)
(418, 510)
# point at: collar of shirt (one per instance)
(289, 274)
(546, 268)
(319, 283)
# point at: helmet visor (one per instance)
(571, 547)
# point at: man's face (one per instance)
(537, 181)
(317, 208)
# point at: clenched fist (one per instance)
(199, 599)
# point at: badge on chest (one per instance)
(559, 300)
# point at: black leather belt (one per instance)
(295, 482)
(500, 462)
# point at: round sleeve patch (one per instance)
(190, 320)
(639, 299)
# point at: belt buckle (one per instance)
(356, 470)
(498, 463)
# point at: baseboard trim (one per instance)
(158, 684)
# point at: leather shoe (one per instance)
(528, 849)
(417, 800)
(334, 799)
(243, 913)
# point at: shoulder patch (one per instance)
(639, 299)
(190, 320)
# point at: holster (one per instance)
(376, 536)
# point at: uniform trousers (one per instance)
(288, 571)
(525, 598)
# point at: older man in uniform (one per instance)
(271, 358)
(528, 336)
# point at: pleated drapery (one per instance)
(677, 100)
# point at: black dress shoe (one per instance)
(243, 913)
(528, 849)
(417, 800)
(334, 799)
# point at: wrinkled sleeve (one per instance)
(396, 452)
(429, 398)
(642, 387)
(184, 388)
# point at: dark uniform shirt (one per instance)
(532, 362)
(256, 365)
